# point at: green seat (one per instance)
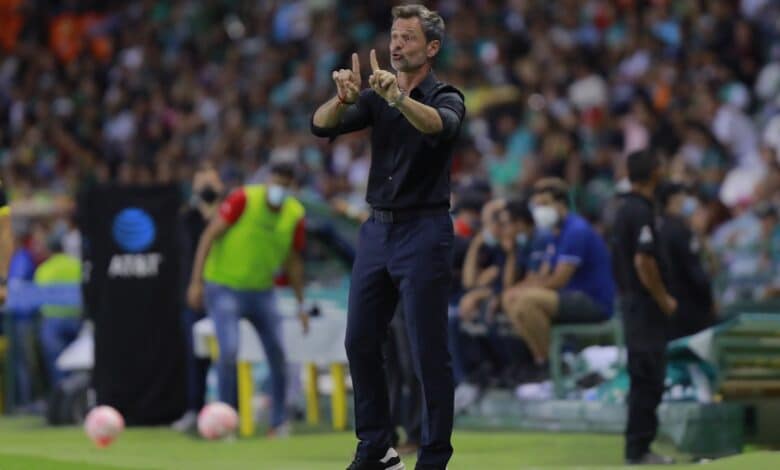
(611, 328)
(747, 351)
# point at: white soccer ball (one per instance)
(217, 420)
(103, 425)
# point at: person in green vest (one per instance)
(60, 324)
(258, 231)
(6, 241)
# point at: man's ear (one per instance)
(433, 48)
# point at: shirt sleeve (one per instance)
(643, 229)
(686, 249)
(299, 239)
(233, 206)
(571, 249)
(452, 110)
(355, 117)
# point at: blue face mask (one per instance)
(690, 204)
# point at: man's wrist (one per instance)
(394, 103)
(343, 100)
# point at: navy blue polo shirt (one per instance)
(409, 169)
(580, 245)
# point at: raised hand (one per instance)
(384, 83)
(348, 81)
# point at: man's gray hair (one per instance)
(432, 23)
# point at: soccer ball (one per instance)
(217, 420)
(103, 425)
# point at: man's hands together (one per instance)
(348, 82)
(384, 83)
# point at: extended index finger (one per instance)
(355, 64)
(374, 63)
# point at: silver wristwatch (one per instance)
(397, 101)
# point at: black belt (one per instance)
(403, 215)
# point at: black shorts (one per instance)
(577, 307)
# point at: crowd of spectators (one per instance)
(144, 91)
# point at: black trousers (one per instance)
(647, 370)
(408, 261)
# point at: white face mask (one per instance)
(488, 238)
(545, 217)
(276, 195)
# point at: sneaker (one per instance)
(279, 432)
(391, 461)
(187, 423)
(651, 458)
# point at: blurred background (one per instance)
(141, 92)
(131, 93)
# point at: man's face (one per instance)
(675, 203)
(409, 50)
(512, 228)
(207, 178)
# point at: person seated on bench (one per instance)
(483, 354)
(574, 283)
(481, 276)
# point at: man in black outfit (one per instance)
(689, 283)
(647, 305)
(405, 247)
(207, 190)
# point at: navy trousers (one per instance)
(408, 261)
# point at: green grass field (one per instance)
(26, 444)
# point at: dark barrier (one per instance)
(131, 279)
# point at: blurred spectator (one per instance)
(574, 283)
(688, 282)
(143, 92)
(484, 354)
(207, 193)
(22, 269)
(60, 324)
(482, 267)
(769, 251)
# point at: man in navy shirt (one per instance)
(404, 249)
(574, 283)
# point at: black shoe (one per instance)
(391, 461)
(651, 458)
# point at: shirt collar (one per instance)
(641, 197)
(426, 86)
